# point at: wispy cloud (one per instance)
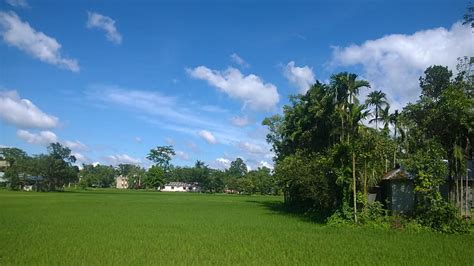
(107, 24)
(35, 43)
(164, 111)
(122, 159)
(239, 60)
(41, 138)
(18, 3)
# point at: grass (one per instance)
(130, 227)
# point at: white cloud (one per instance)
(182, 155)
(221, 163)
(238, 60)
(207, 136)
(18, 3)
(122, 159)
(394, 62)
(76, 145)
(301, 77)
(240, 121)
(98, 21)
(23, 113)
(41, 138)
(250, 89)
(266, 164)
(252, 148)
(37, 44)
(80, 158)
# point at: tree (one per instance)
(19, 163)
(56, 168)
(154, 177)
(469, 16)
(237, 168)
(161, 156)
(377, 99)
(436, 79)
(97, 176)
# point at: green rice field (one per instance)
(136, 228)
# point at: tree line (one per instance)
(57, 170)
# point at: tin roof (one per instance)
(397, 174)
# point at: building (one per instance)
(121, 182)
(397, 191)
(181, 187)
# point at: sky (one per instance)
(113, 79)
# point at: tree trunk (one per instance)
(354, 186)
(376, 118)
(365, 177)
(396, 148)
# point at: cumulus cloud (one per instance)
(221, 163)
(182, 155)
(122, 159)
(18, 3)
(76, 145)
(301, 77)
(98, 21)
(240, 121)
(40, 138)
(37, 44)
(238, 60)
(207, 136)
(251, 89)
(394, 62)
(23, 113)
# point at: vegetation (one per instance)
(326, 154)
(136, 227)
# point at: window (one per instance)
(184, 188)
(172, 187)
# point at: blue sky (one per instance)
(113, 79)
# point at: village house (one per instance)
(180, 187)
(396, 191)
(121, 182)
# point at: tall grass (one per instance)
(129, 227)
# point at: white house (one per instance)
(121, 182)
(181, 187)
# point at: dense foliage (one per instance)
(331, 148)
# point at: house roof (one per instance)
(397, 174)
(180, 184)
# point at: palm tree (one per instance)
(378, 99)
(356, 113)
(345, 88)
(393, 119)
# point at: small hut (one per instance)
(398, 191)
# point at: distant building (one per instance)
(121, 182)
(181, 187)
